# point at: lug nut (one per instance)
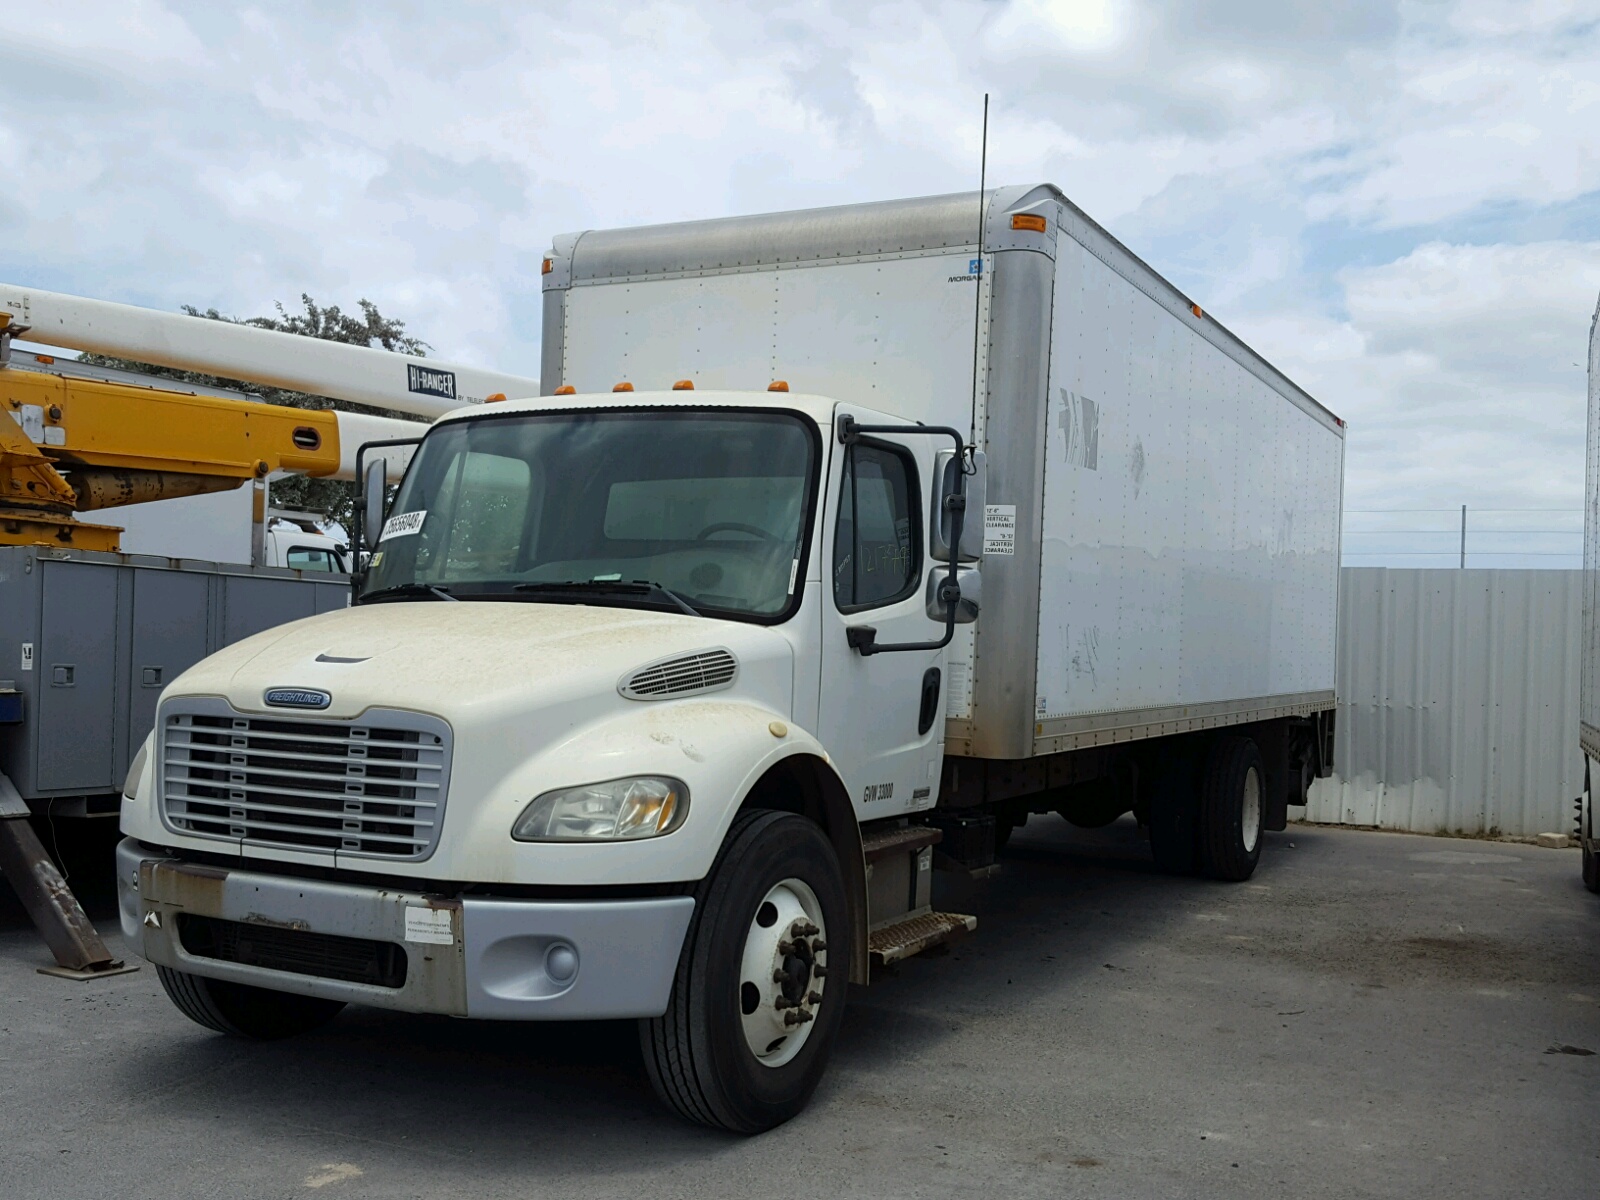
(780, 977)
(814, 998)
(811, 929)
(819, 946)
(785, 947)
(797, 1017)
(819, 970)
(783, 1002)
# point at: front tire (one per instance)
(760, 989)
(1232, 801)
(244, 1011)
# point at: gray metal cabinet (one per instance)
(90, 640)
(76, 668)
(169, 636)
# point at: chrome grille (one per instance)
(704, 672)
(368, 788)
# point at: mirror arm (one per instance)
(863, 639)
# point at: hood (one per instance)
(471, 658)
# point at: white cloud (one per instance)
(1267, 156)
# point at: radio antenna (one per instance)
(977, 302)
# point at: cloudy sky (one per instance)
(1399, 204)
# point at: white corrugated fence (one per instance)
(1458, 701)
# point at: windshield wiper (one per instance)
(614, 587)
(402, 590)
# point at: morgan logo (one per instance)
(427, 382)
(297, 698)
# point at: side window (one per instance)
(877, 545)
(307, 558)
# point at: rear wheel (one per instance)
(1591, 869)
(245, 1011)
(1231, 805)
(756, 1003)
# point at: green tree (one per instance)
(331, 498)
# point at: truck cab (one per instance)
(623, 683)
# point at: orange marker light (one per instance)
(566, 389)
(623, 387)
(494, 397)
(778, 385)
(547, 266)
(683, 385)
(1195, 308)
(1029, 221)
(46, 359)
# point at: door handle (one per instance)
(61, 675)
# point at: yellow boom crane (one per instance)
(75, 445)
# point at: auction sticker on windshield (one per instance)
(402, 524)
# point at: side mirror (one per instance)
(372, 489)
(945, 470)
(969, 584)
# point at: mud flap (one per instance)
(1175, 809)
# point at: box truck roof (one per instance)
(1029, 217)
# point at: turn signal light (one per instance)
(683, 385)
(566, 389)
(778, 385)
(547, 266)
(1029, 221)
(623, 387)
(494, 397)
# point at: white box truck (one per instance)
(663, 690)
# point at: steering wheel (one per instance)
(735, 527)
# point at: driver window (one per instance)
(877, 543)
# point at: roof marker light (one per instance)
(1029, 221)
(623, 387)
(547, 266)
(1195, 308)
(494, 397)
(778, 385)
(683, 385)
(566, 389)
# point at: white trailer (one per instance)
(725, 679)
(1589, 680)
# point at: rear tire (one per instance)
(722, 1055)
(244, 1011)
(1591, 869)
(1232, 802)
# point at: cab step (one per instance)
(916, 934)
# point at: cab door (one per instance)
(881, 715)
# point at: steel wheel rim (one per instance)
(787, 937)
(1251, 816)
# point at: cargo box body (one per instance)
(1163, 506)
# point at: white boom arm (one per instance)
(423, 386)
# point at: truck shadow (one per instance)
(1066, 904)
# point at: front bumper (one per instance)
(466, 957)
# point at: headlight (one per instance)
(620, 810)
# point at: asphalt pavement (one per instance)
(1372, 1015)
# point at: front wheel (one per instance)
(760, 988)
(242, 1010)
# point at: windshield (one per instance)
(711, 505)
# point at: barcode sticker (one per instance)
(403, 524)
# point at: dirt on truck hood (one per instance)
(445, 658)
